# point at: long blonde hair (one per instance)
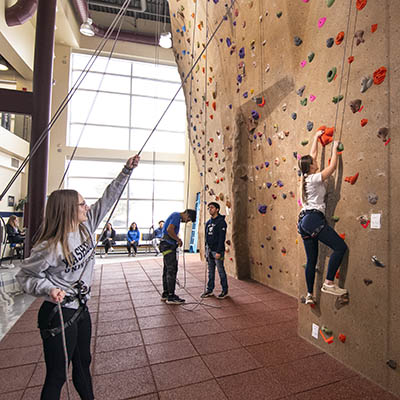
(304, 165)
(61, 218)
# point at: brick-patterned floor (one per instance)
(245, 347)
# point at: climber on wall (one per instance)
(312, 224)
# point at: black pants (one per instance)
(329, 237)
(130, 245)
(78, 346)
(107, 245)
(170, 267)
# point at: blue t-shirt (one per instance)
(173, 219)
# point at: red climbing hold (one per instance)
(211, 116)
(342, 235)
(379, 75)
(350, 59)
(339, 38)
(216, 155)
(211, 140)
(214, 106)
(360, 4)
(262, 104)
(327, 136)
(342, 338)
(364, 122)
(352, 179)
(374, 27)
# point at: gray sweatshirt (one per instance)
(47, 267)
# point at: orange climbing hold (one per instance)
(342, 235)
(339, 38)
(342, 338)
(350, 59)
(328, 340)
(374, 27)
(327, 136)
(352, 179)
(360, 4)
(262, 104)
(379, 75)
(364, 122)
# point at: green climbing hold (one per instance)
(340, 147)
(304, 143)
(311, 56)
(336, 99)
(331, 74)
(329, 3)
(279, 14)
(335, 218)
(303, 102)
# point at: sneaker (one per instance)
(333, 289)
(164, 297)
(222, 295)
(112, 248)
(174, 299)
(207, 293)
(309, 299)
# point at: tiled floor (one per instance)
(243, 347)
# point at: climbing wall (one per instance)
(273, 74)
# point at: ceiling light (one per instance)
(165, 40)
(87, 28)
(3, 64)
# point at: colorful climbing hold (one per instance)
(340, 147)
(304, 142)
(351, 179)
(355, 105)
(300, 91)
(297, 41)
(366, 83)
(350, 59)
(294, 116)
(303, 63)
(383, 133)
(364, 122)
(342, 338)
(330, 42)
(262, 209)
(310, 56)
(331, 74)
(310, 126)
(336, 99)
(360, 4)
(303, 102)
(339, 38)
(312, 97)
(327, 135)
(374, 27)
(279, 14)
(321, 22)
(329, 3)
(379, 75)
(359, 36)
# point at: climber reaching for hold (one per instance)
(312, 224)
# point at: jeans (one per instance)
(329, 237)
(212, 262)
(170, 267)
(78, 349)
(129, 246)
(156, 243)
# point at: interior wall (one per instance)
(251, 119)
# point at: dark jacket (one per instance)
(216, 234)
(104, 236)
(14, 235)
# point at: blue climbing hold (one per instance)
(269, 184)
(262, 209)
(294, 116)
(228, 42)
(241, 52)
(269, 140)
(266, 163)
(310, 126)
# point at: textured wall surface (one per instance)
(255, 98)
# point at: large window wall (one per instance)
(129, 102)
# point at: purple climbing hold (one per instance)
(246, 95)
(269, 184)
(274, 228)
(262, 209)
(255, 115)
(239, 78)
(266, 163)
(228, 42)
(329, 42)
(270, 267)
(257, 167)
(241, 52)
(230, 106)
(216, 1)
(269, 141)
(279, 183)
(255, 136)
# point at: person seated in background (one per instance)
(14, 234)
(132, 238)
(157, 235)
(108, 238)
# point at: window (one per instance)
(126, 99)
(154, 191)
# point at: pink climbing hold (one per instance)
(321, 22)
(306, 1)
(312, 97)
(303, 63)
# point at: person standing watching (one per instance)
(168, 246)
(215, 234)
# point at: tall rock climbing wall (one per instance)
(261, 77)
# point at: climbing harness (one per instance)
(305, 233)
